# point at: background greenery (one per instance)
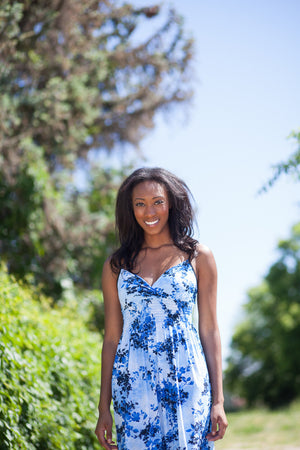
(50, 366)
(264, 366)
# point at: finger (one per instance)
(109, 440)
(214, 427)
(109, 436)
(112, 445)
(214, 431)
(99, 432)
(212, 437)
(219, 434)
(102, 440)
(222, 428)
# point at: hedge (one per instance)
(50, 372)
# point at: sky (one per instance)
(246, 103)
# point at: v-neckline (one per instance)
(166, 271)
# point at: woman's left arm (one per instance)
(210, 336)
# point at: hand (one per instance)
(218, 423)
(103, 431)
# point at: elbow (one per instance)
(209, 333)
(112, 339)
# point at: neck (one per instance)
(145, 247)
(157, 241)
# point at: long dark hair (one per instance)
(131, 235)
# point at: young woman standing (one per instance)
(164, 376)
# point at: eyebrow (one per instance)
(142, 198)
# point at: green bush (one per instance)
(50, 371)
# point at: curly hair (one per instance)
(131, 235)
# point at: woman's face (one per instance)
(151, 207)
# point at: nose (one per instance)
(149, 211)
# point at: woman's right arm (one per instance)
(112, 334)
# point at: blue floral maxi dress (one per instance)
(160, 383)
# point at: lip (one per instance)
(151, 223)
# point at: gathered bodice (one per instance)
(169, 300)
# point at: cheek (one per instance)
(165, 210)
(137, 213)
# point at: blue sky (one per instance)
(246, 103)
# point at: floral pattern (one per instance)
(160, 383)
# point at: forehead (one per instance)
(149, 189)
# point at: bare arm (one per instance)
(113, 330)
(210, 336)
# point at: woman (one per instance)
(165, 382)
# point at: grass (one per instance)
(262, 429)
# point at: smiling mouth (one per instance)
(153, 222)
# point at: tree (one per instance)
(74, 82)
(264, 365)
(289, 167)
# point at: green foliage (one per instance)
(289, 167)
(50, 371)
(74, 82)
(57, 233)
(264, 365)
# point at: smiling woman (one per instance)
(165, 378)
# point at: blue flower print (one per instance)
(160, 383)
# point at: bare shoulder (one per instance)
(204, 261)
(202, 251)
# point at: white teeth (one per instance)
(151, 223)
